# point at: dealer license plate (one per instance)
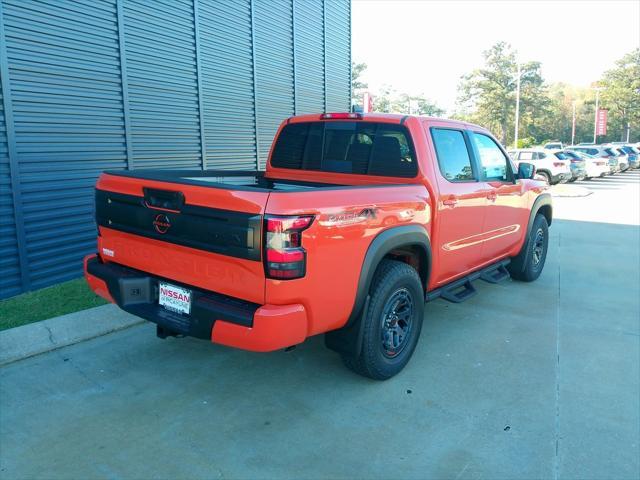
(176, 299)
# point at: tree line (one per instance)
(487, 96)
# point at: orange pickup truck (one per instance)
(357, 221)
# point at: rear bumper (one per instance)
(597, 170)
(561, 177)
(218, 318)
(578, 173)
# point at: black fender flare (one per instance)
(543, 201)
(348, 339)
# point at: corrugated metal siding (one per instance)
(273, 33)
(9, 263)
(113, 84)
(227, 84)
(162, 84)
(309, 40)
(65, 93)
(338, 52)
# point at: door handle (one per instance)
(450, 202)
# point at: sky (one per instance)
(425, 46)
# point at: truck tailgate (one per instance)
(196, 235)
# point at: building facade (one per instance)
(91, 85)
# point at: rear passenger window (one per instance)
(364, 148)
(492, 161)
(453, 155)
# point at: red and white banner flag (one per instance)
(601, 126)
(367, 102)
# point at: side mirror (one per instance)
(526, 170)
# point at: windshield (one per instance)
(562, 156)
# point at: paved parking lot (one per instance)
(523, 381)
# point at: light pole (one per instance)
(515, 136)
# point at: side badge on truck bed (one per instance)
(346, 218)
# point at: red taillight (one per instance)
(341, 116)
(285, 259)
(601, 163)
(558, 164)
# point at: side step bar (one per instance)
(462, 289)
(495, 275)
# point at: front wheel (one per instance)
(392, 323)
(528, 264)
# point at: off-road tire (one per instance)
(528, 264)
(390, 278)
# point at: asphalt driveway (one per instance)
(523, 381)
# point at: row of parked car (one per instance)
(556, 163)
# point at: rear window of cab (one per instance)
(364, 148)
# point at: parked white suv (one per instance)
(621, 155)
(599, 151)
(548, 167)
(595, 166)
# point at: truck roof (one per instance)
(385, 117)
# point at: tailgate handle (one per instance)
(163, 199)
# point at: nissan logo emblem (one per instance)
(161, 223)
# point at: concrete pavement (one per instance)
(523, 381)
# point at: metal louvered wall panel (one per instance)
(162, 84)
(93, 85)
(273, 34)
(10, 282)
(67, 112)
(227, 84)
(309, 42)
(338, 55)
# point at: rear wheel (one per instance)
(544, 176)
(528, 264)
(393, 322)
